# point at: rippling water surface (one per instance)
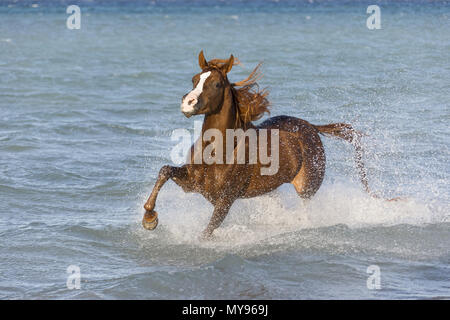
(86, 118)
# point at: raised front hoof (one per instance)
(150, 220)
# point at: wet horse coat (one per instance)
(234, 106)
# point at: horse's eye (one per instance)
(217, 84)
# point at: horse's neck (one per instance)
(225, 118)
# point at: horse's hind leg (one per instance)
(167, 172)
(310, 177)
(305, 184)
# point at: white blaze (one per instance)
(194, 94)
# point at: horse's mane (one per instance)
(251, 102)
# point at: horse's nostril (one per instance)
(191, 101)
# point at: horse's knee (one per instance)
(165, 171)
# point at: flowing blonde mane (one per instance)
(251, 102)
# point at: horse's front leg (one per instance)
(150, 220)
(221, 209)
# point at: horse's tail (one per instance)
(346, 132)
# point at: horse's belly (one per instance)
(260, 188)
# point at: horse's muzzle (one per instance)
(189, 105)
(191, 112)
(188, 114)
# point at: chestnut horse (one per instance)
(228, 105)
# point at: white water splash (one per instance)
(183, 216)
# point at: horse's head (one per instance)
(209, 87)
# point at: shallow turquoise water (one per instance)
(86, 122)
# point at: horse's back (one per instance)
(287, 123)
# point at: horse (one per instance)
(226, 106)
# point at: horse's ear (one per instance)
(202, 61)
(228, 65)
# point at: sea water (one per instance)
(86, 118)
